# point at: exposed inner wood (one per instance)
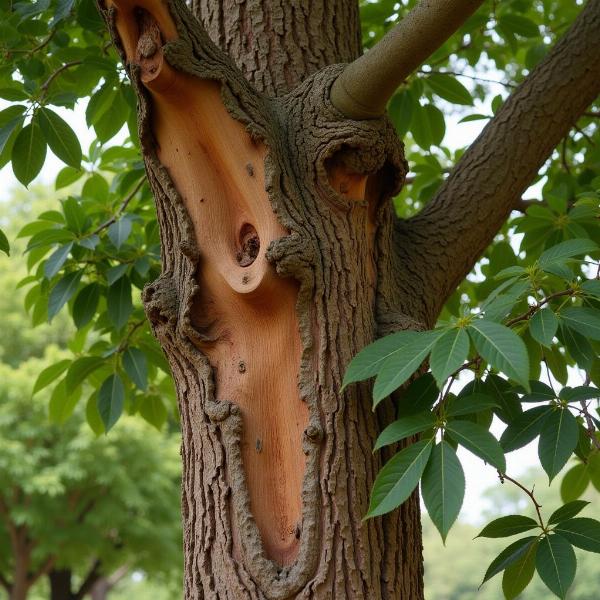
(245, 311)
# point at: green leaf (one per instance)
(110, 400)
(502, 349)
(116, 272)
(567, 511)
(539, 392)
(578, 347)
(591, 287)
(62, 405)
(28, 153)
(405, 427)
(400, 110)
(509, 406)
(448, 354)
(119, 231)
(507, 526)
(56, 260)
(4, 245)
(371, 358)
(134, 363)
(585, 321)
(518, 575)
(564, 250)
(543, 326)
(50, 375)
(60, 137)
(400, 366)
(508, 556)
(520, 25)
(574, 482)
(448, 88)
(418, 397)
(67, 176)
(525, 428)
(579, 393)
(581, 532)
(11, 118)
(119, 302)
(443, 487)
(427, 126)
(556, 564)
(80, 369)
(558, 439)
(62, 292)
(514, 270)
(398, 478)
(470, 404)
(479, 441)
(474, 117)
(85, 305)
(75, 216)
(153, 410)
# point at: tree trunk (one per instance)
(276, 231)
(60, 584)
(20, 583)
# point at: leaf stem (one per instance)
(504, 477)
(122, 207)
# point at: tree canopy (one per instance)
(517, 343)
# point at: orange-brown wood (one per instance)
(246, 310)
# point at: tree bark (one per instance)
(277, 44)
(279, 264)
(275, 219)
(60, 584)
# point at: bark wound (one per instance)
(270, 285)
(244, 311)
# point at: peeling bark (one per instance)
(313, 187)
(281, 258)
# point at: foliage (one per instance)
(525, 324)
(460, 577)
(76, 499)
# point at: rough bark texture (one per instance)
(439, 246)
(333, 250)
(325, 184)
(276, 44)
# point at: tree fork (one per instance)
(275, 222)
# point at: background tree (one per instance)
(309, 231)
(77, 508)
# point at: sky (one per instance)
(479, 476)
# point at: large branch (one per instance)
(365, 86)
(440, 245)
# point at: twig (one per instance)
(121, 208)
(44, 87)
(473, 77)
(589, 140)
(504, 476)
(591, 428)
(535, 307)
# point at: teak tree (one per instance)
(273, 165)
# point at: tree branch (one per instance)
(43, 570)
(438, 247)
(89, 581)
(365, 85)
